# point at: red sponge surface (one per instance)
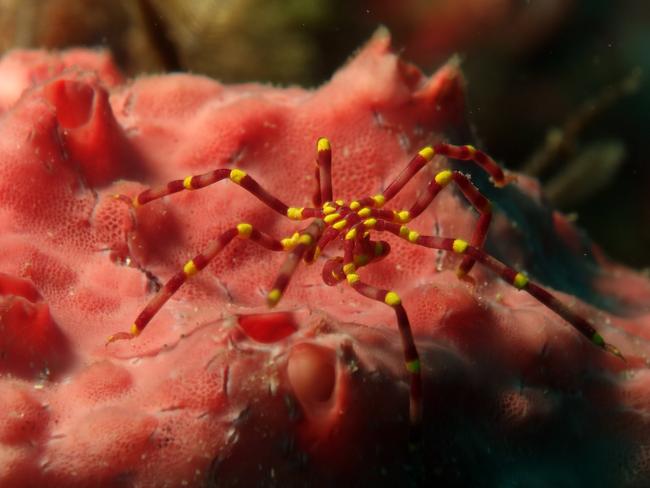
(217, 390)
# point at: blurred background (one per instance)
(556, 87)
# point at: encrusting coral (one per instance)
(217, 390)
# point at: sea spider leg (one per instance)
(424, 156)
(197, 182)
(323, 173)
(193, 266)
(306, 240)
(480, 203)
(411, 356)
(336, 219)
(470, 153)
(325, 169)
(369, 252)
(508, 274)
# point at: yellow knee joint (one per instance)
(236, 175)
(392, 299)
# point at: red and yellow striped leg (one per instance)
(324, 156)
(306, 240)
(193, 266)
(424, 156)
(509, 275)
(338, 222)
(411, 356)
(412, 168)
(467, 153)
(365, 252)
(521, 282)
(480, 203)
(197, 182)
(416, 164)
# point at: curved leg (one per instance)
(480, 203)
(508, 274)
(425, 155)
(411, 356)
(193, 266)
(306, 241)
(197, 182)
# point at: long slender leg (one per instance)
(235, 175)
(416, 164)
(365, 253)
(339, 221)
(480, 203)
(325, 169)
(306, 241)
(411, 356)
(412, 168)
(193, 266)
(425, 155)
(470, 153)
(508, 274)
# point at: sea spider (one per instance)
(354, 223)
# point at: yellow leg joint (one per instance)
(427, 153)
(332, 218)
(520, 281)
(403, 216)
(459, 246)
(370, 223)
(413, 236)
(392, 299)
(187, 183)
(244, 230)
(444, 177)
(134, 330)
(288, 243)
(328, 209)
(305, 239)
(340, 224)
(379, 200)
(190, 268)
(352, 278)
(236, 175)
(323, 144)
(364, 212)
(273, 297)
(349, 268)
(352, 233)
(295, 213)
(404, 231)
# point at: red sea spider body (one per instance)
(215, 393)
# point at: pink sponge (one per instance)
(217, 390)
